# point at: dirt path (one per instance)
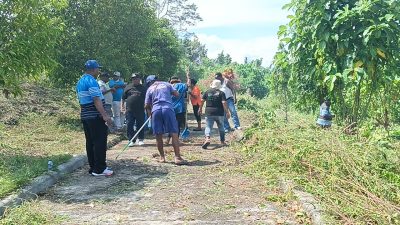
(212, 189)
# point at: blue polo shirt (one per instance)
(117, 95)
(179, 102)
(87, 88)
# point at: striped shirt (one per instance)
(87, 88)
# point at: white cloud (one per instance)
(217, 13)
(259, 47)
(223, 14)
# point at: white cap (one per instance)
(116, 73)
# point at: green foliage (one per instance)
(356, 180)
(223, 59)
(348, 50)
(29, 32)
(120, 42)
(253, 79)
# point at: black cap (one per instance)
(104, 74)
(218, 75)
(135, 75)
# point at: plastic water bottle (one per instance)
(50, 165)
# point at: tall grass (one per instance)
(357, 180)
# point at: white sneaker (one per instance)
(131, 144)
(106, 172)
(238, 128)
(140, 143)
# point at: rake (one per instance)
(134, 137)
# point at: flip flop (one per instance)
(205, 145)
(181, 162)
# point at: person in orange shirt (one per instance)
(195, 99)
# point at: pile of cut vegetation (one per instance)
(356, 179)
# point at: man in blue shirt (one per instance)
(94, 119)
(178, 103)
(119, 86)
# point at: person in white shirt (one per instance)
(107, 92)
(228, 88)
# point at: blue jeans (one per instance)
(210, 123)
(133, 120)
(234, 115)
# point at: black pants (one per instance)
(96, 143)
(133, 118)
(180, 118)
(196, 112)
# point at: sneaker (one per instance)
(131, 144)
(107, 172)
(140, 143)
(228, 130)
(238, 128)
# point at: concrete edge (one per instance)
(307, 201)
(42, 183)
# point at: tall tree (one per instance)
(180, 13)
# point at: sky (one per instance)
(241, 28)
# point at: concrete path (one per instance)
(212, 189)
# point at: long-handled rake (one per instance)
(134, 137)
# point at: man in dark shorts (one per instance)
(158, 104)
(216, 107)
(133, 96)
(94, 119)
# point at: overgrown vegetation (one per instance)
(356, 179)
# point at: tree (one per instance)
(123, 35)
(223, 59)
(348, 50)
(194, 50)
(29, 32)
(180, 13)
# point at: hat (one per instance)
(151, 78)
(92, 64)
(104, 74)
(174, 80)
(135, 75)
(116, 73)
(216, 84)
(218, 75)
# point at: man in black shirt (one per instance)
(134, 95)
(216, 108)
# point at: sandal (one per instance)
(180, 162)
(205, 145)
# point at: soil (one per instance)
(212, 189)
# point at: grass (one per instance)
(28, 146)
(356, 179)
(32, 214)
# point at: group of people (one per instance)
(164, 102)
